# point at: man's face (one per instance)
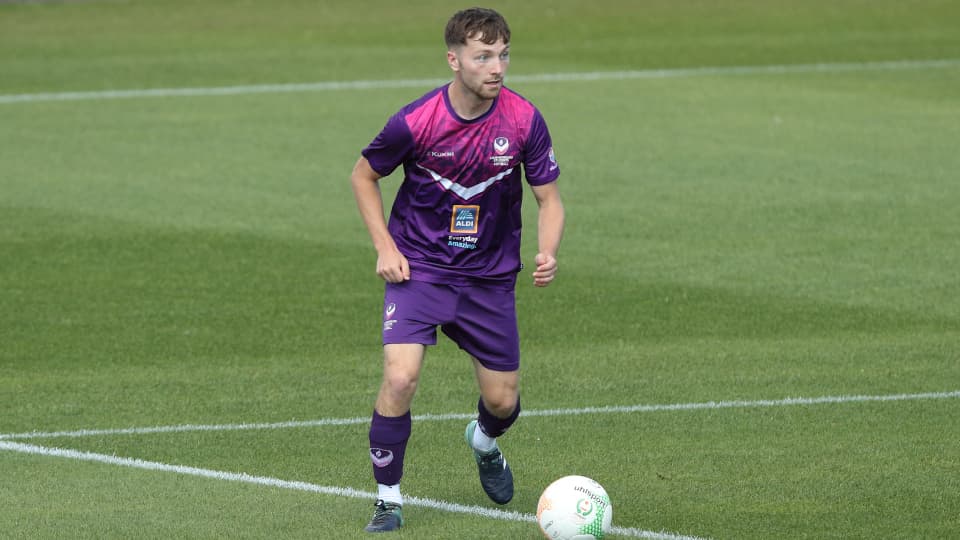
(481, 67)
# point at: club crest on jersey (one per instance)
(500, 157)
(465, 219)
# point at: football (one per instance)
(574, 508)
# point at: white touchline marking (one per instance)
(611, 409)
(786, 402)
(894, 65)
(305, 486)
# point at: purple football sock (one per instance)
(388, 442)
(492, 425)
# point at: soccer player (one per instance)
(450, 254)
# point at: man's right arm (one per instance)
(392, 266)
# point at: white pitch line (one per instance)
(306, 486)
(786, 402)
(894, 65)
(613, 409)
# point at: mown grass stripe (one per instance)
(326, 86)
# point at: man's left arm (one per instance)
(549, 232)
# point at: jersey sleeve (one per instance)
(391, 147)
(540, 164)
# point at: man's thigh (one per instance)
(485, 326)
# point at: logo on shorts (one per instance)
(380, 457)
(388, 320)
(465, 219)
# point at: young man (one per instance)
(451, 252)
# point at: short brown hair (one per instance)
(481, 23)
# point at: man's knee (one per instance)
(501, 404)
(400, 383)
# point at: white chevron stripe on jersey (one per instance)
(466, 193)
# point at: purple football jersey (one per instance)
(456, 216)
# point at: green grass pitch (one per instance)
(736, 238)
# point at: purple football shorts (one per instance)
(481, 319)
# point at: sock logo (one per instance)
(380, 457)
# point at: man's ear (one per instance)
(453, 61)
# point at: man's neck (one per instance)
(465, 103)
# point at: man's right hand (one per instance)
(392, 266)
